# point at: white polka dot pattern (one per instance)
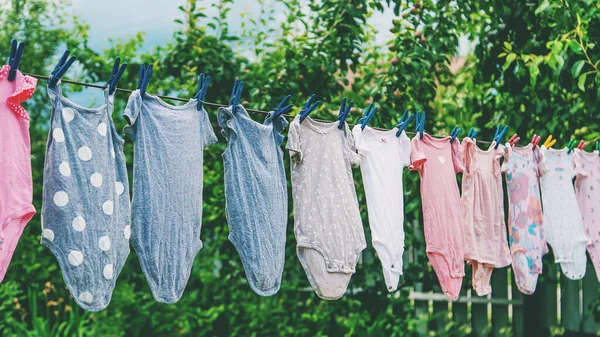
(86, 208)
(48, 234)
(78, 224)
(96, 179)
(84, 153)
(75, 258)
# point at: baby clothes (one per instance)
(438, 161)
(166, 210)
(327, 221)
(85, 210)
(523, 166)
(383, 157)
(16, 185)
(486, 244)
(563, 222)
(256, 195)
(587, 186)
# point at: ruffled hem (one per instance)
(24, 89)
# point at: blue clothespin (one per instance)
(308, 108)
(472, 133)
(282, 108)
(455, 132)
(236, 94)
(203, 82)
(61, 68)
(367, 115)
(421, 123)
(344, 112)
(499, 135)
(115, 75)
(15, 59)
(403, 123)
(144, 78)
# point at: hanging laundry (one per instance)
(86, 210)
(169, 144)
(523, 166)
(587, 187)
(256, 195)
(327, 221)
(563, 222)
(16, 185)
(486, 244)
(438, 161)
(383, 157)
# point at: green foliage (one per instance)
(533, 68)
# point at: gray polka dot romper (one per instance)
(85, 210)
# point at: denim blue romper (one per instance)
(256, 195)
(166, 210)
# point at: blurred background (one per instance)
(530, 64)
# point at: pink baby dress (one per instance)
(486, 244)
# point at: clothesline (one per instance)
(91, 85)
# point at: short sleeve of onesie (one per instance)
(577, 164)
(417, 156)
(404, 149)
(293, 142)
(457, 155)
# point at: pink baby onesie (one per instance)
(438, 161)
(587, 187)
(486, 244)
(523, 166)
(16, 185)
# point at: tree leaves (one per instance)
(576, 69)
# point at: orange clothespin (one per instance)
(581, 145)
(513, 140)
(535, 140)
(549, 142)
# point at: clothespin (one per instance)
(344, 112)
(201, 90)
(499, 135)
(367, 115)
(571, 145)
(144, 78)
(472, 133)
(308, 108)
(15, 58)
(514, 139)
(236, 94)
(115, 75)
(549, 142)
(61, 68)
(403, 123)
(581, 145)
(282, 108)
(420, 123)
(455, 132)
(535, 140)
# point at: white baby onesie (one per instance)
(383, 157)
(562, 218)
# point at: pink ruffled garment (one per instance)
(486, 243)
(16, 185)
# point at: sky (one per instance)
(123, 19)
